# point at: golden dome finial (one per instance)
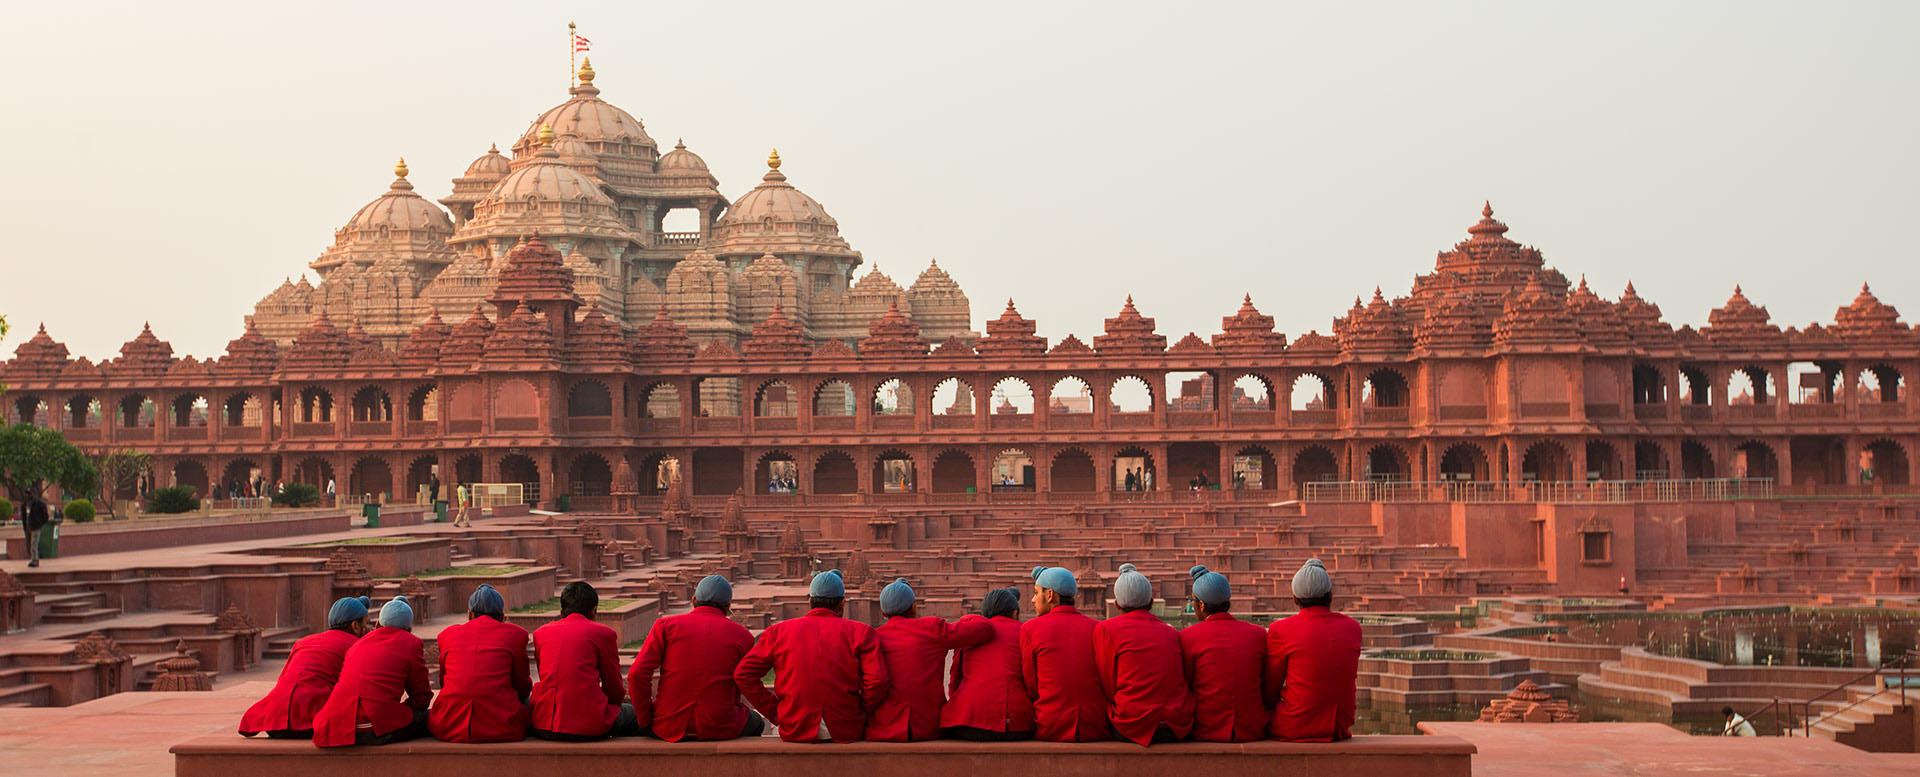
(400, 168)
(773, 160)
(546, 134)
(586, 71)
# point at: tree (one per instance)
(32, 458)
(119, 470)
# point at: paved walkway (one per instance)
(1656, 750)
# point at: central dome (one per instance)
(590, 119)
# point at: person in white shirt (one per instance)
(1736, 726)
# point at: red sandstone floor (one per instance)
(1654, 750)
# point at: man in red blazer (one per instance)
(483, 675)
(986, 698)
(1140, 666)
(366, 707)
(312, 669)
(1313, 663)
(1226, 659)
(695, 655)
(1056, 663)
(579, 697)
(915, 650)
(827, 670)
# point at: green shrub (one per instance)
(7, 512)
(297, 495)
(172, 499)
(79, 511)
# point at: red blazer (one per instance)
(826, 668)
(1226, 659)
(1144, 677)
(379, 669)
(984, 689)
(695, 655)
(311, 671)
(915, 650)
(1056, 663)
(579, 691)
(1313, 662)
(483, 683)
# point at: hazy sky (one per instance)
(173, 163)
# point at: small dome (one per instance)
(776, 200)
(492, 164)
(400, 210)
(571, 150)
(547, 178)
(680, 160)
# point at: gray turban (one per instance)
(1132, 591)
(1312, 581)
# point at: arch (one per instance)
(1546, 461)
(1695, 389)
(1130, 394)
(423, 403)
(660, 400)
(953, 396)
(716, 397)
(465, 402)
(238, 477)
(589, 399)
(1881, 383)
(467, 469)
(893, 473)
(1649, 387)
(1389, 462)
(1312, 391)
(834, 398)
(1815, 382)
(1754, 459)
(589, 475)
(1070, 395)
(189, 410)
(1190, 392)
(316, 471)
(84, 412)
(1601, 382)
(316, 406)
(371, 403)
(1012, 470)
(1465, 461)
(953, 472)
(777, 473)
(1888, 460)
(776, 399)
(136, 411)
(1194, 466)
(32, 410)
(1134, 470)
(657, 473)
(893, 397)
(834, 473)
(718, 471)
(192, 474)
(1385, 387)
(1545, 390)
(1254, 469)
(1251, 392)
(1315, 463)
(516, 398)
(370, 476)
(1603, 461)
(1650, 461)
(243, 409)
(1012, 396)
(522, 469)
(1750, 385)
(420, 472)
(1695, 460)
(1072, 472)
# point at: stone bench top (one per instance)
(769, 745)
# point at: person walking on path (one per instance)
(33, 518)
(464, 495)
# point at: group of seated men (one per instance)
(1060, 676)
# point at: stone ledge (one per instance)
(1365, 756)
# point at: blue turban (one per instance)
(1057, 580)
(1210, 587)
(896, 598)
(346, 610)
(828, 585)
(397, 613)
(487, 601)
(715, 590)
(1132, 591)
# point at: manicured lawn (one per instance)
(471, 572)
(364, 541)
(553, 604)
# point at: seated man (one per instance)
(1313, 663)
(1141, 670)
(307, 679)
(915, 650)
(1225, 660)
(579, 697)
(827, 670)
(986, 698)
(695, 655)
(483, 675)
(366, 707)
(1056, 663)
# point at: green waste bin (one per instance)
(50, 540)
(371, 511)
(566, 503)
(440, 510)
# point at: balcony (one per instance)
(311, 429)
(1650, 412)
(1878, 410)
(1753, 412)
(1825, 411)
(1463, 412)
(589, 424)
(953, 422)
(422, 428)
(1130, 421)
(463, 426)
(133, 434)
(1544, 410)
(1386, 415)
(776, 424)
(1313, 417)
(893, 423)
(1070, 421)
(660, 425)
(370, 428)
(1603, 411)
(708, 425)
(1696, 412)
(1246, 418)
(676, 239)
(833, 423)
(86, 434)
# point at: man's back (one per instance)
(695, 654)
(1313, 663)
(1143, 676)
(915, 650)
(312, 669)
(987, 690)
(380, 670)
(484, 680)
(1226, 659)
(580, 689)
(827, 669)
(1056, 654)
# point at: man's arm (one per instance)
(522, 682)
(1276, 673)
(1029, 668)
(965, 633)
(752, 667)
(419, 693)
(873, 671)
(1104, 659)
(640, 679)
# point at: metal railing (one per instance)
(1896, 666)
(1597, 491)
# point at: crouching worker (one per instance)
(828, 671)
(915, 650)
(309, 676)
(986, 698)
(695, 655)
(483, 675)
(367, 705)
(580, 696)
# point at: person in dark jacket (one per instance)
(33, 517)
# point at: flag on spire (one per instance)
(581, 44)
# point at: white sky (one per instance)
(173, 163)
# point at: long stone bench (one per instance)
(1365, 756)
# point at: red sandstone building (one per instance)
(1492, 370)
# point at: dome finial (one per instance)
(1486, 209)
(400, 168)
(586, 72)
(546, 134)
(773, 160)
